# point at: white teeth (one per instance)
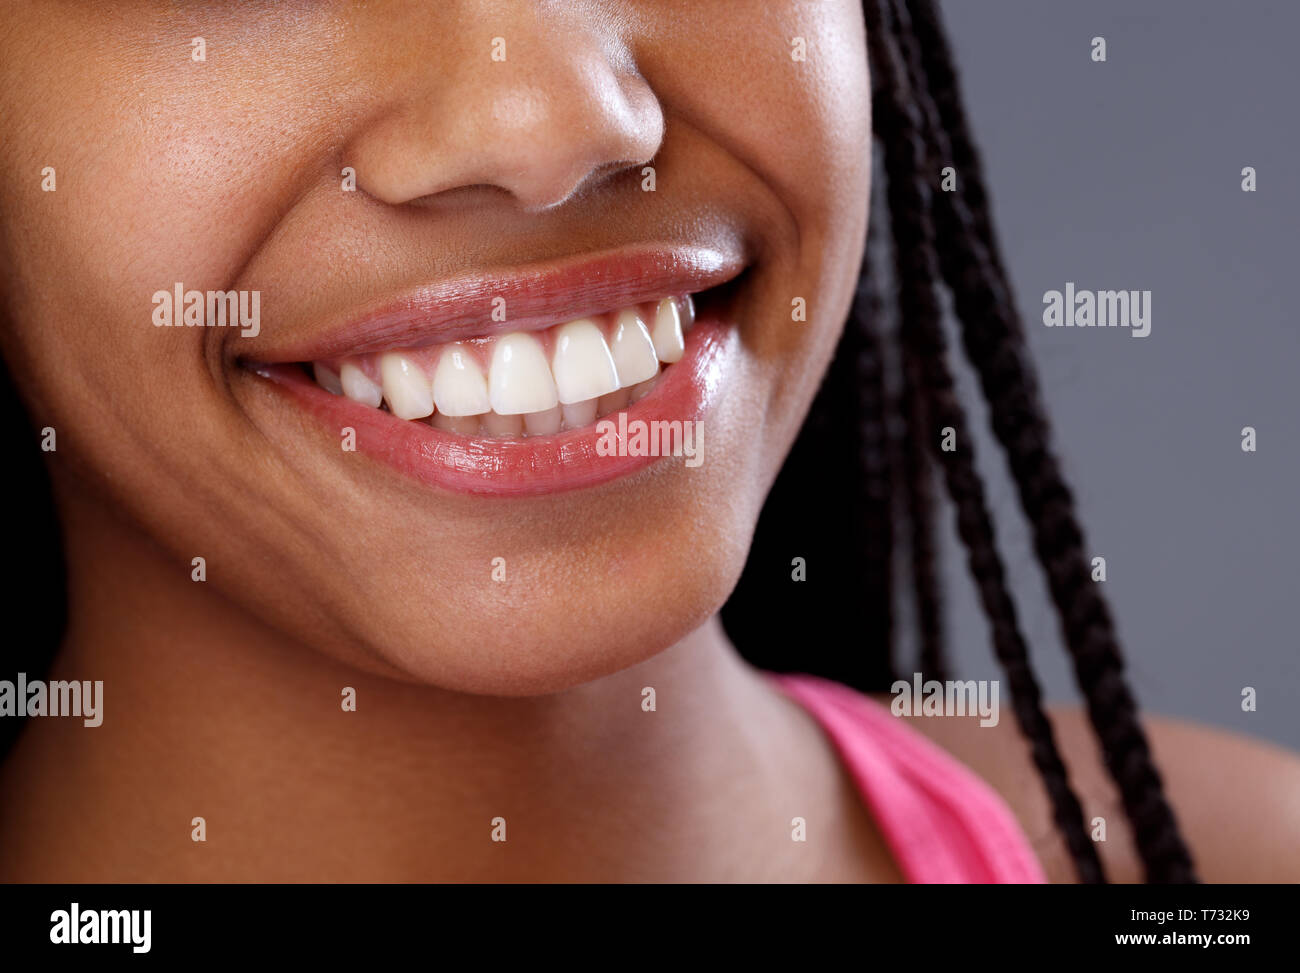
(542, 423)
(459, 388)
(327, 378)
(406, 387)
(495, 424)
(519, 379)
(582, 363)
(633, 350)
(593, 369)
(670, 344)
(358, 387)
(579, 414)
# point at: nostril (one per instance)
(584, 180)
(548, 123)
(482, 193)
(612, 170)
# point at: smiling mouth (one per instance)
(434, 387)
(522, 383)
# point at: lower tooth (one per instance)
(613, 402)
(542, 423)
(639, 392)
(495, 424)
(583, 413)
(457, 425)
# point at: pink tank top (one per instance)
(943, 823)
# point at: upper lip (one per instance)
(535, 297)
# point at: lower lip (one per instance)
(532, 466)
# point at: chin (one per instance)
(529, 638)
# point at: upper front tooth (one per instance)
(634, 350)
(358, 387)
(582, 363)
(519, 379)
(406, 387)
(459, 388)
(670, 345)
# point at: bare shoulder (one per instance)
(1237, 798)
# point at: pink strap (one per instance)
(942, 822)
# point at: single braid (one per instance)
(992, 335)
(877, 515)
(914, 407)
(900, 126)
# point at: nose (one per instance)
(538, 112)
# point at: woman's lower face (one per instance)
(480, 267)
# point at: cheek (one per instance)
(789, 96)
(812, 140)
(217, 158)
(168, 170)
(785, 88)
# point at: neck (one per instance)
(208, 713)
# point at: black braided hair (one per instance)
(994, 344)
(919, 489)
(947, 237)
(901, 125)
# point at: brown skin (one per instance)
(475, 700)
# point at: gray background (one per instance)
(1126, 174)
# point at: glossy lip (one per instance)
(531, 466)
(535, 298)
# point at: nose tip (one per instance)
(541, 129)
(545, 146)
